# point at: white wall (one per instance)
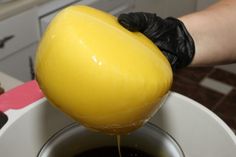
(201, 4)
(166, 8)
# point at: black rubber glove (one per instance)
(170, 35)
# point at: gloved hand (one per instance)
(170, 35)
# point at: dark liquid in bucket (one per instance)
(111, 151)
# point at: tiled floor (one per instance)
(212, 87)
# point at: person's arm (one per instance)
(202, 38)
(214, 33)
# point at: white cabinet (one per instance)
(8, 82)
(19, 64)
(18, 40)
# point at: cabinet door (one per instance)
(18, 37)
(20, 64)
(18, 32)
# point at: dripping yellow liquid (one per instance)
(118, 145)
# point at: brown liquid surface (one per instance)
(111, 151)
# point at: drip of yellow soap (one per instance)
(99, 73)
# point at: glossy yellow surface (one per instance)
(99, 73)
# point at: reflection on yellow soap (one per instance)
(99, 73)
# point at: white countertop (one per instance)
(11, 8)
(8, 82)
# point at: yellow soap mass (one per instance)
(99, 73)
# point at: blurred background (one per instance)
(22, 23)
